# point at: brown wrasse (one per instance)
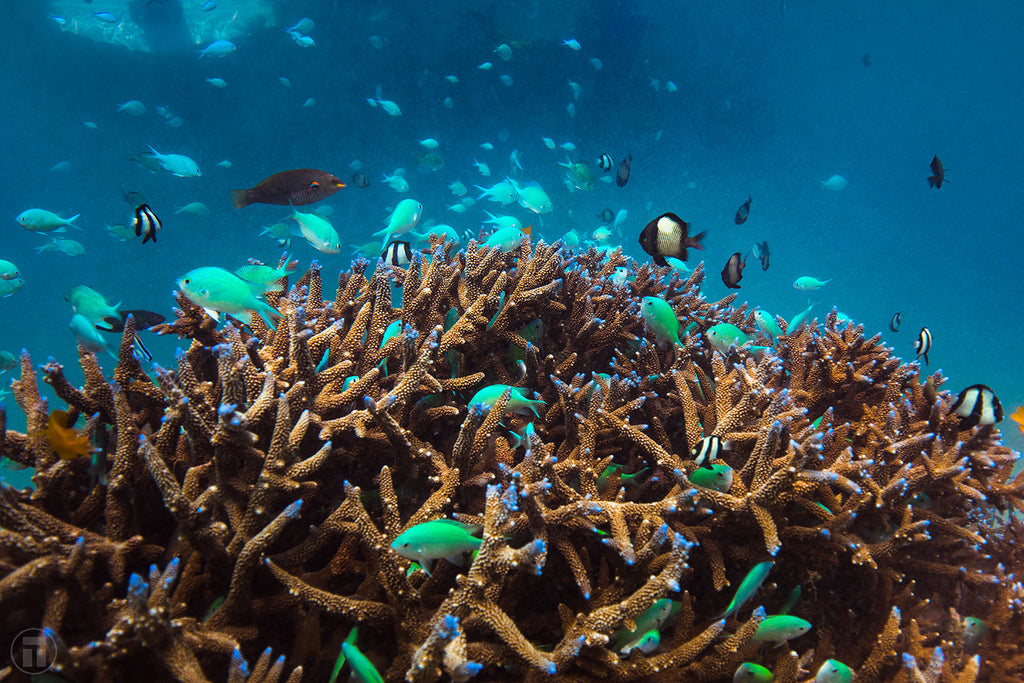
(296, 187)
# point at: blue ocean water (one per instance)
(768, 100)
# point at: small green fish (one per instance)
(647, 643)
(531, 332)
(265, 275)
(766, 322)
(217, 290)
(833, 671)
(724, 335)
(41, 220)
(748, 587)
(87, 335)
(318, 231)
(505, 239)
(748, 672)
(626, 479)
(808, 283)
(361, 667)
(518, 403)
(794, 594)
(974, 632)
(660, 319)
(798, 320)
(7, 361)
(580, 175)
(718, 478)
(436, 539)
(194, 209)
(651, 619)
(780, 628)
(91, 304)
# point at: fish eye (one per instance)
(186, 281)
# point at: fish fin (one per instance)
(695, 240)
(240, 199)
(212, 313)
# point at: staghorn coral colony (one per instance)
(248, 500)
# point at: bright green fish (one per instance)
(436, 539)
(833, 671)
(724, 335)
(651, 619)
(531, 332)
(361, 667)
(748, 672)
(318, 231)
(505, 239)
(265, 275)
(748, 587)
(518, 403)
(660, 319)
(798, 320)
(766, 322)
(780, 628)
(646, 643)
(91, 304)
(218, 290)
(718, 478)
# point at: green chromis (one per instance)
(748, 672)
(531, 332)
(780, 628)
(505, 239)
(724, 335)
(718, 478)
(518, 403)
(87, 335)
(660, 319)
(217, 290)
(651, 619)
(646, 643)
(974, 632)
(748, 587)
(362, 668)
(265, 275)
(766, 323)
(833, 671)
(91, 304)
(318, 231)
(798, 320)
(436, 539)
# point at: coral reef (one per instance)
(247, 500)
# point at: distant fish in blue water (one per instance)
(218, 48)
(835, 183)
(108, 17)
(938, 175)
(298, 186)
(622, 174)
(743, 211)
(894, 324)
(866, 60)
(762, 254)
(733, 271)
(572, 44)
(209, 6)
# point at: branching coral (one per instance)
(270, 472)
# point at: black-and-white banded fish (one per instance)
(397, 253)
(145, 223)
(977, 405)
(894, 324)
(708, 450)
(923, 343)
(605, 162)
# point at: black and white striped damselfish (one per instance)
(668, 235)
(605, 162)
(397, 253)
(708, 450)
(977, 405)
(923, 343)
(145, 223)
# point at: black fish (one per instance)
(296, 187)
(743, 212)
(143, 320)
(977, 405)
(668, 236)
(866, 59)
(733, 271)
(706, 452)
(359, 179)
(606, 216)
(146, 223)
(938, 173)
(397, 253)
(604, 162)
(761, 253)
(923, 343)
(622, 175)
(894, 324)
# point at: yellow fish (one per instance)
(65, 441)
(1018, 417)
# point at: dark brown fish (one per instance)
(359, 179)
(668, 236)
(622, 174)
(743, 212)
(938, 173)
(143, 320)
(733, 271)
(296, 187)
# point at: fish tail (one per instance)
(240, 198)
(70, 220)
(931, 181)
(269, 315)
(695, 240)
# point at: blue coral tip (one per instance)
(551, 668)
